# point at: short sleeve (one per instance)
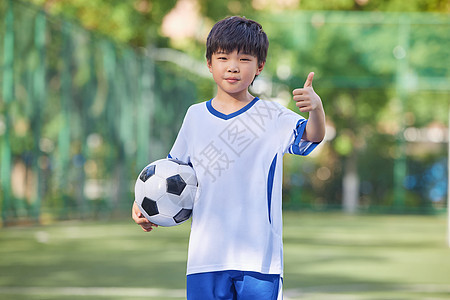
(291, 127)
(180, 149)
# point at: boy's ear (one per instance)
(208, 63)
(260, 68)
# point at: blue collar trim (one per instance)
(232, 115)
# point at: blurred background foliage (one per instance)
(94, 90)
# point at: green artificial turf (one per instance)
(327, 256)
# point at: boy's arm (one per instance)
(308, 101)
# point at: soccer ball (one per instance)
(165, 191)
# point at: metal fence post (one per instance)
(64, 133)
(8, 97)
(39, 95)
(400, 86)
(145, 111)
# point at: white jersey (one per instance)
(237, 219)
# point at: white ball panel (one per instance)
(139, 192)
(155, 187)
(188, 196)
(162, 220)
(166, 168)
(168, 205)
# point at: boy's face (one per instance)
(233, 72)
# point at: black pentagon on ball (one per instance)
(175, 185)
(182, 215)
(150, 206)
(147, 173)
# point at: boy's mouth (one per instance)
(232, 79)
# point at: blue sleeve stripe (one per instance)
(300, 146)
(188, 162)
(270, 186)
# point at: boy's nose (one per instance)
(233, 68)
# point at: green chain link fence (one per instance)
(80, 115)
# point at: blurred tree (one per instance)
(138, 22)
(355, 76)
(339, 64)
(374, 76)
(359, 5)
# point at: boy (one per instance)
(236, 142)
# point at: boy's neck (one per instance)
(227, 103)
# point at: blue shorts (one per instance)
(234, 285)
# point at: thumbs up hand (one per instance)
(307, 100)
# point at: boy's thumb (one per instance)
(309, 80)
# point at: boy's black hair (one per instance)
(238, 33)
